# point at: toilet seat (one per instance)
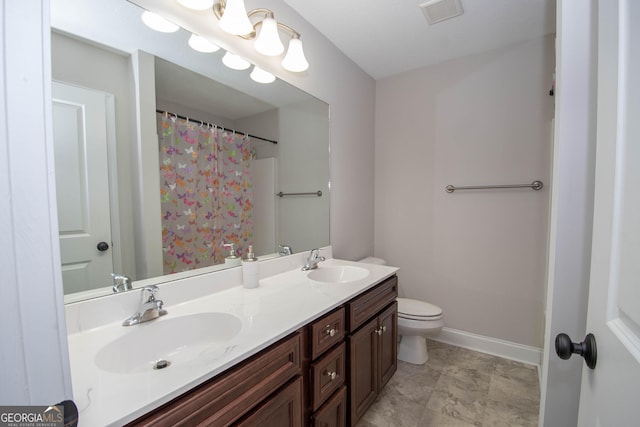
(412, 309)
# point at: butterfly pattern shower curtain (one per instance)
(206, 193)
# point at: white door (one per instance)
(82, 186)
(609, 394)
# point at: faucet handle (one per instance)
(152, 290)
(284, 250)
(121, 283)
(315, 255)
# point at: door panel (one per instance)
(388, 344)
(82, 186)
(363, 357)
(609, 392)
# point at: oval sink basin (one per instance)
(176, 340)
(341, 274)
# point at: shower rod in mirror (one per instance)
(202, 122)
(535, 185)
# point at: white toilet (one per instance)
(417, 320)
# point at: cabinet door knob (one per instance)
(330, 331)
(332, 375)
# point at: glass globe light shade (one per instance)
(196, 4)
(158, 23)
(268, 41)
(235, 62)
(261, 76)
(234, 19)
(294, 60)
(201, 44)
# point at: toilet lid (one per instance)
(416, 309)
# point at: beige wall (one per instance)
(482, 119)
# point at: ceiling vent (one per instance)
(440, 10)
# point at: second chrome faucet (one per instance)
(150, 307)
(313, 260)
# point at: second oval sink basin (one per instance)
(175, 340)
(339, 274)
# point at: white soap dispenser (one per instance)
(250, 270)
(232, 260)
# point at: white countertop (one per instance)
(280, 305)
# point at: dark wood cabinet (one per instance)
(388, 345)
(363, 354)
(334, 412)
(225, 399)
(327, 370)
(284, 409)
(313, 377)
(372, 346)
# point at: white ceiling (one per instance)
(387, 37)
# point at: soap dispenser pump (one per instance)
(250, 276)
(232, 260)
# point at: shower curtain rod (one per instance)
(202, 122)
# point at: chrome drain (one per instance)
(161, 364)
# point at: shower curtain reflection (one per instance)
(206, 193)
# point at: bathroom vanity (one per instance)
(295, 351)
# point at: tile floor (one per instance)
(458, 387)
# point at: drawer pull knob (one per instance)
(331, 331)
(332, 375)
(380, 330)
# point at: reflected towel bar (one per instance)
(314, 193)
(535, 185)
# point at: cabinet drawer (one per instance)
(284, 409)
(334, 412)
(367, 305)
(327, 375)
(326, 332)
(226, 398)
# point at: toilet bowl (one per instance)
(417, 320)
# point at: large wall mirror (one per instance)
(146, 186)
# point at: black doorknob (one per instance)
(103, 246)
(587, 349)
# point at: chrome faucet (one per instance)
(284, 250)
(121, 283)
(313, 260)
(150, 307)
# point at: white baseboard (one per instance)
(497, 347)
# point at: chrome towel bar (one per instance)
(313, 193)
(535, 185)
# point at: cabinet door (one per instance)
(388, 344)
(283, 409)
(363, 369)
(334, 412)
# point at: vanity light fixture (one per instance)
(201, 44)
(261, 76)
(235, 62)
(234, 19)
(158, 23)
